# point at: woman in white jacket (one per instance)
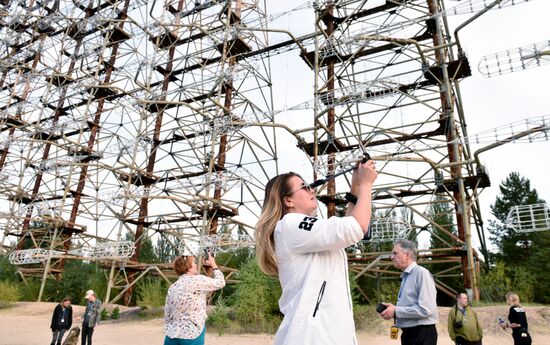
(308, 255)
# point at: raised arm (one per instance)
(208, 284)
(361, 186)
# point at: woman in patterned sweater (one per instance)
(185, 308)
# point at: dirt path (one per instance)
(27, 323)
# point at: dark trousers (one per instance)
(87, 333)
(521, 338)
(419, 335)
(57, 335)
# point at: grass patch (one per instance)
(366, 317)
(223, 320)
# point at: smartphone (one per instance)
(380, 307)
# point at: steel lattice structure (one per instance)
(157, 119)
(129, 116)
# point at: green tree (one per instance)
(147, 253)
(8, 272)
(512, 246)
(525, 253)
(165, 249)
(442, 213)
(501, 279)
(235, 259)
(77, 277)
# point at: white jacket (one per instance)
(313, 271)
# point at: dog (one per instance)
(72, 338)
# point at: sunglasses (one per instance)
(305, 186)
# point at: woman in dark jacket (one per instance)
(62, 320)
(517, 320)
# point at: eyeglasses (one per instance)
(304, 186)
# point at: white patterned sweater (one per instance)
(185, 307)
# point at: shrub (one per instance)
(501, 279)
(115, 314)
(255, 299)
(104, 314)
(251, 295)
(523, 282)
(219, 319)
(388, 291)
(152, 293)
(495, 284)
(9, 294)
(148, 314)
(30, 291)
(8, 272)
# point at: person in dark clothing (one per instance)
(91, 317)
(517, 320)
(62, 319)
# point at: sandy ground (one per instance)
(27, 323)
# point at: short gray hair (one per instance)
(407, 246)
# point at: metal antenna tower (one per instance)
(135, 120)
(405, 46)
(130, 117)
(401, 66)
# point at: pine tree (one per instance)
(521, 251)
(512, 246)
(165, 249)
(442, 213)
(147, 253)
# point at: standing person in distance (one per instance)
(62, 319)
(91, 317)
(308, 255)
(463, 325)
(416, 309)
(517, 320)
(185, 307)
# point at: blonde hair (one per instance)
(512, 298)
(273, 210)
